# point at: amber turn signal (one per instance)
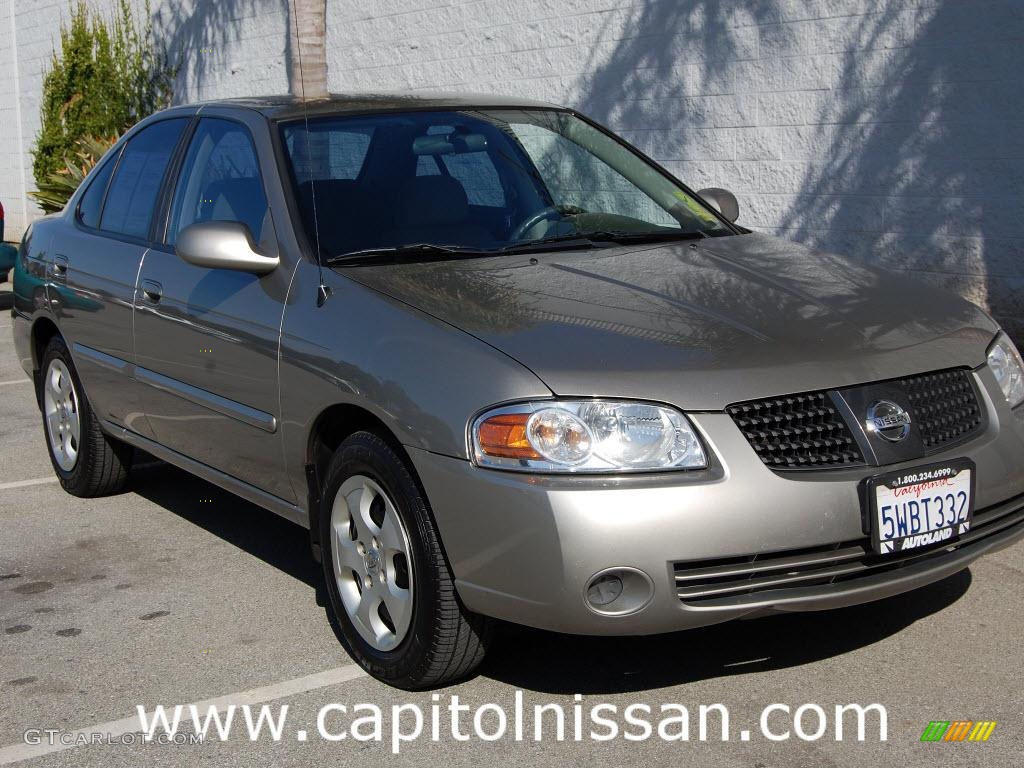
(504, 436)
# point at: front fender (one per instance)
(420, 376)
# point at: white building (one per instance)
(891, 130)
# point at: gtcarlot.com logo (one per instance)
(958, 730)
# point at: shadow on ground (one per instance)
(566, 664)
(261, 533)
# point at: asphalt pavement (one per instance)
(177, 592)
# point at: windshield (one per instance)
(479, 180)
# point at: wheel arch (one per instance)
(330, 429)
(43, 330)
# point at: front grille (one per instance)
(806, 431)
(754, 579)
(797, 432)
(944, 407)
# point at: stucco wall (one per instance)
(891, 130)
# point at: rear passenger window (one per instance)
(136, 183)
(220, 180)
(92, 201)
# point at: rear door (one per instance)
(206, 340)
(95, 260)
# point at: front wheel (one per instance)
(87, 462)
(389, 586)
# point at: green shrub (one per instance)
(54, 190)
(108, 75)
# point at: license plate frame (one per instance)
(928, 481)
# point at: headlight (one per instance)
(1008, 368)
(586, 436)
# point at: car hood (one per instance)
(697, 324)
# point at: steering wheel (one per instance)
(549, 213)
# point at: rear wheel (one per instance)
(87, 462)
(389, 586)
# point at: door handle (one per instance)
(60, 266)
(152, 290)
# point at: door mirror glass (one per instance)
(222, 245)
(723, 200)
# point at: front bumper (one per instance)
(524, 547)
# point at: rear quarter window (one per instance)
(91, 204)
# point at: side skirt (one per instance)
(227, 482)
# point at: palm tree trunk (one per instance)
(307, 72)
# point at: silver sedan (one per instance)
(504, 366)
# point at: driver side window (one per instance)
(220, 180)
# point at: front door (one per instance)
(206, 340)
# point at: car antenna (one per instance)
(323, 292)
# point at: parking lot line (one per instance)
(16, 381)
(16, 752)
(27, 483)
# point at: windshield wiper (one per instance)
(401, 251)
(558, 242)
(418, 250)
(621, 236)
(591, 239)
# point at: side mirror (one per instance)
(222, 245)
(723, 200)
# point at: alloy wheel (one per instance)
(63, 418)
(372, 562)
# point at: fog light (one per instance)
(604, 590)
(618, 591)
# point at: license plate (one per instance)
(921, 507)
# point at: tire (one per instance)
(442, 641)
(88, 463)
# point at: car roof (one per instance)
(291, 107)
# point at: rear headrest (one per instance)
(432, 201)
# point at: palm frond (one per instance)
(58, 187)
